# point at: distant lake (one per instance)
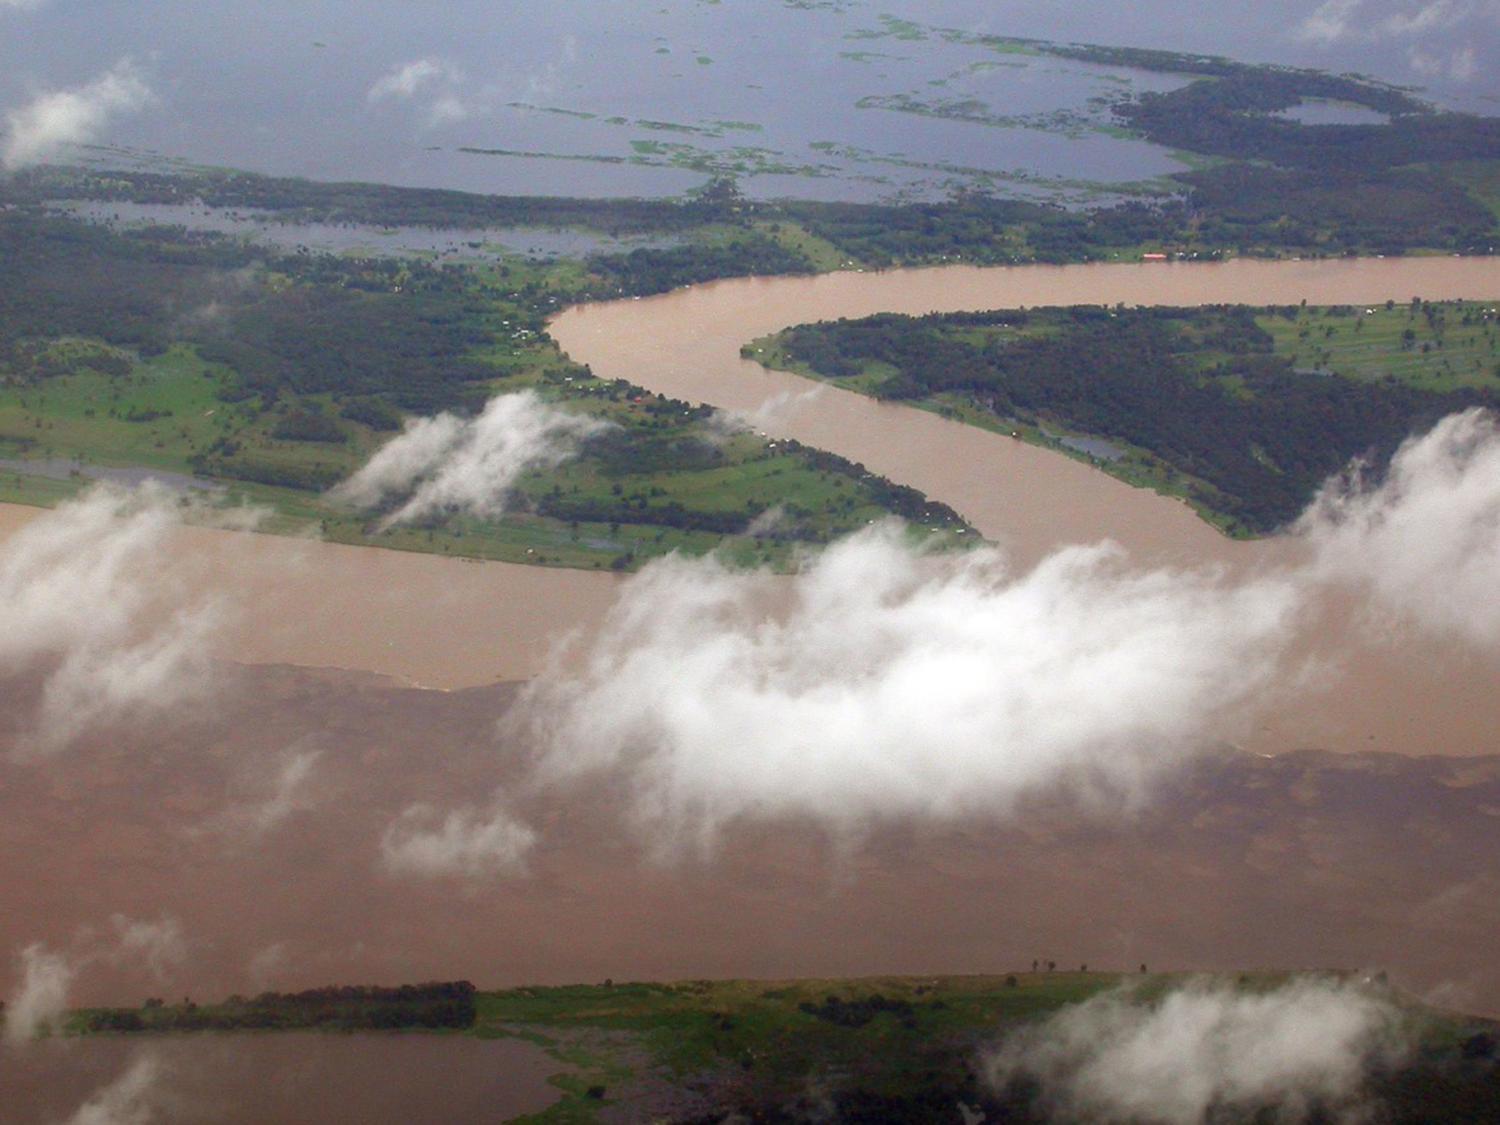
(832, 99)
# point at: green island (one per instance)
(271, 374)
(889, 1049)
(1243, 411)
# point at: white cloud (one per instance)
(1205, 1047)
(40, 129)
(464, 842)
(21, 5)
(769, 417)
(158, 945)
(436, 81)
(446, 463)
(131, 1099)
(42, 995)
(1368, 21)
(89, 593)
(409, 79)
(1458, 65)
(41, 998)
(900, 685)
(285, 792)
(1424, 542)
(1329, 22)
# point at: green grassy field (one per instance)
(673, 471)
(1434, 345)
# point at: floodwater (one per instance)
(289, 1079)
(1300, 860)
(428, 620)
(811, 98)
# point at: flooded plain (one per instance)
(288, 1079)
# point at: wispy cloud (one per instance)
(1430, 25)
(134, 1098)
(451, 464)
(47, 976)
(40, 129)
(1206, 1049)
(1460, 64)
(468, 842)
(91, 595)
(282, 791)
(41, 997)
(900, 685)
(1425, 541)
(438, 85)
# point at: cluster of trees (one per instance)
(1336, 210)
(445, 1004)
(297, 200)
(1235, 116)
(646, 270)
(859, 1012)
(1200, 389)
(401, 331)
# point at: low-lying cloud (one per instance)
(1440, 34)
(436, 82)
(40, 129)
(469, 842)
(1424, 542)
(896, 684)
(91, 595)
(880, 682)
(1337, 21)
(134, 1098)
(47, 976)
(1206, 1048)
(283, 791)
(42, 995)
(451, 464)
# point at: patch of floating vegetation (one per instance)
(582, 115)
(892, 27)
(1069, 123)
(872, 56)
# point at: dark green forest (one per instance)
(1202, 391)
